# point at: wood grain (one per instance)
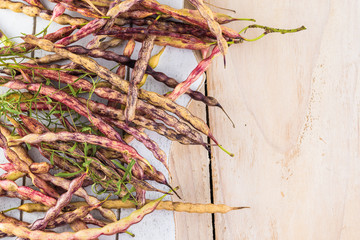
(295, 101)
(189, 166)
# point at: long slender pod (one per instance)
(163, 205)
(112, 228)
(63, 200)
(136, 77)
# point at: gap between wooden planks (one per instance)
(189, 166)
(192, 174)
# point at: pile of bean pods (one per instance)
(50, 107)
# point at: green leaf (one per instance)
(52, 158)
(72, 149)
(49, 100)
(128, 169)
(85, 129)
(87, 163)
(28, 146)
(86, 149)
(94, 149)
(119, 165)
(73, 92)
(67, 174)
(118, 185)
(53, 110)
(38, 92)
(133, 189)
(126, 197)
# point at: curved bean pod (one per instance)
(27, 192)
(78, 137)
(63, 200)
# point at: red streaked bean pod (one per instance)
(187, 16)
(27, 192)
(79, 137)
(59, 10)
(213, 26)
(63, 200)
(183, 87)
(89, 28)
(65, 184)
(143, 138)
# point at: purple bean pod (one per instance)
(63, 200)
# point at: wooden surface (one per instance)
(189, 166)
(295, 102)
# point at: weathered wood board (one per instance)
(295, 102)
(189, 166)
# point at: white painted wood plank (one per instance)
(12, 19)
(176, 63)
(190, 171)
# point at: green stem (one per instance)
(254, 39)
(10, 209)
(229, 153)
(270, 30)
(131, 234)
(5, 40)
(246, 19)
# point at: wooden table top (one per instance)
(295, 102)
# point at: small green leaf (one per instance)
(126, 197)
(52, 158)
(73, 92)
(119, 165)
(38, 92)
(67, 174)
(85, 129)
(28, 146)
(87, 163)
(86, 149)
(133, 189)
(11, 110)
(53, 110)
(72, 149)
